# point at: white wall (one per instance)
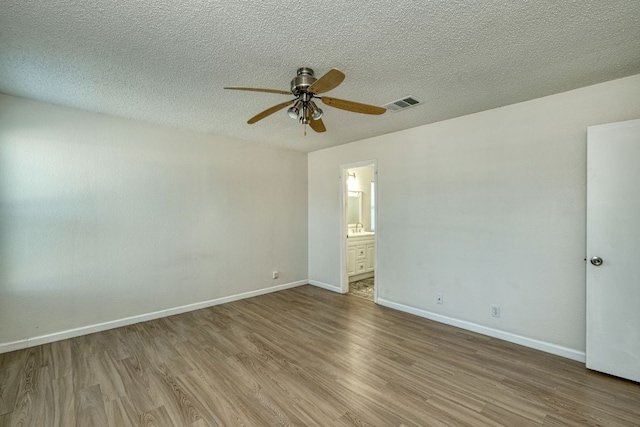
(486, 209)
(103, 218)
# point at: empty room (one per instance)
(220, 213)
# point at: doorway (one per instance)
(359, 229)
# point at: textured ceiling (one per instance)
(166, 61)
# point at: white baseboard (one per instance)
(558, 350)
(361, 276)
(6, 347)
(326, 286)
(90, 329)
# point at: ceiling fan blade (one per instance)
(259, 89)
(355, 107)
(329, 81)
(317, 125)
(269, 111)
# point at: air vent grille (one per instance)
(402, 104)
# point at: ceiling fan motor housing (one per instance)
(302, 81)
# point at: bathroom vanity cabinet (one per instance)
(360, 256)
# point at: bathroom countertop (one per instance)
(361, 234)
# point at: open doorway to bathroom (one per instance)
(359, 229)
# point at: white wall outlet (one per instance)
(439, 299)
(276, 274)
(495, 310)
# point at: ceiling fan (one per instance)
(305, 88)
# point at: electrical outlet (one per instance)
(439, 299)
(495, 310)
(276, 274)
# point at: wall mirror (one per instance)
(354, 208)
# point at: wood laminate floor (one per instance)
(303, 356)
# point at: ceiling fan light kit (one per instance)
(305, 87)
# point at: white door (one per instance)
(613, 238)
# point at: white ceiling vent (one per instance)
(402, 104)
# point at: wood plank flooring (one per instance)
(303, 357)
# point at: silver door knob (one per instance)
(596, 260)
